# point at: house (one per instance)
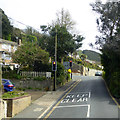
(6, 48)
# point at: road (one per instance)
(88, 97)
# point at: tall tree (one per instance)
(64, 19)
(109, 41)
(108, 22)
(6, 27)
(66, 42)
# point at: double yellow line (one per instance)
(68, 91)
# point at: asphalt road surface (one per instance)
(88, 97)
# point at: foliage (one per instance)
(30, 55)
(11, 75)
(63, 19)
(40, 78)
(16, 34)
(60, 69)
(65, 42)
(109, 42)
(13, 94)
(6, 27)
(83, 57)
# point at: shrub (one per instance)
(115, 84)
(40, 78)
(14, 94)
(11, 75)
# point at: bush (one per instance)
(115, 84)
(13, 94)
(11, 75)
(60, 70)
(40, 78)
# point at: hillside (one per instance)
(92, 55)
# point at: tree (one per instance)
(109, 41)
(6, 27)
(108, 22)
(64, 20)
(65, 42)
(16, 34)
(29, 54)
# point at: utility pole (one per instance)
(54, 85)
(0, 65)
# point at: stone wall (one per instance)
(89, 72)
(86, 72)
(3, 109)
(34, 84)
(16, 105)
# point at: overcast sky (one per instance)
(41, 12)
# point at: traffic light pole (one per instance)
(71, 72)
(54, 84)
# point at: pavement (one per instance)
(42, 102)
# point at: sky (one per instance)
(41, 12)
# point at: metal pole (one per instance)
(0, 65)
(54, 87)
(71, 72)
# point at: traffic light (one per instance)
(54, 66)
(70, 63)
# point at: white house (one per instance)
(6, 48)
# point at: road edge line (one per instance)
(111, 94)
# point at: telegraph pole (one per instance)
(0, 65)
(54, 85)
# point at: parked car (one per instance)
(98, 74)
(8, 85)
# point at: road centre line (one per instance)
(69, 90)
(76, 83)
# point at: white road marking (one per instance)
(65, 101)
(87, 105)
(71, 106)
(88, 113)
(80, 100)
(73, 100)
(78, 95)
(89, 94)
(84, 99)
(68, 96)
(38, 109)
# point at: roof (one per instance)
(8, 42)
